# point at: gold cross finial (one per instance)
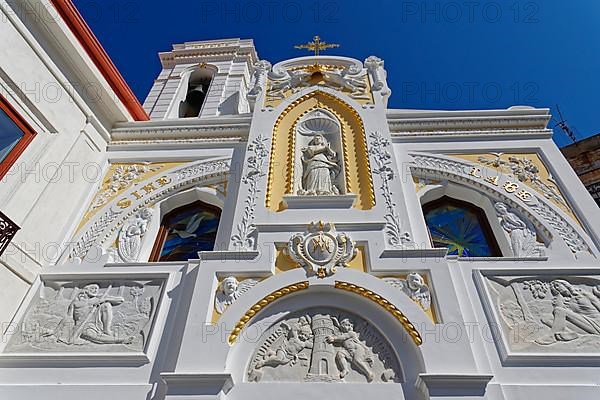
(316, 45)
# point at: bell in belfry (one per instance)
(193, 100)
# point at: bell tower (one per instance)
(202, 79)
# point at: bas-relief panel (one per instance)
(87, 316)
(323, 345)
(547, 314)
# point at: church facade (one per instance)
(266, 230)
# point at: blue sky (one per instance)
(451, 55)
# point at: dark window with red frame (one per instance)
(15, 135)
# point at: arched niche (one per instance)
(547, 219)
(356, 178)
(104, 227)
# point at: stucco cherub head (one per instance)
(415, 281)
(229, 286)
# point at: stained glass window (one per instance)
(461, 227)
(186, 231)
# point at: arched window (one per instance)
(461, 227)
(185, 231)
(198, 84)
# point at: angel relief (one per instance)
(414, 287)
(323, 345)
(296, 337)
(230, 290)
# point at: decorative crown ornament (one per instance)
(321, 249)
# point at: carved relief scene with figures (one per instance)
(324, 345)
(548, 314)
(97, 316)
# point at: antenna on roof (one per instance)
(563, 125)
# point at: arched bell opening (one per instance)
(198, 84)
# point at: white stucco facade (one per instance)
(339, 293)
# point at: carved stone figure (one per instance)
(299, 337)
(569, 232)
(101, 316)
(348, 79)
(230, 290)
(374, 65)
(282, 80)
(342, 78)
(321, 249)
(323, 345)
(414, 287)
(131, 234)
(548, 314)
(352, 351)
(93, 316)
(575, 312)
(523, 239)
(319, 168)
(259, 78)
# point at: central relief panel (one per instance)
(323, 344)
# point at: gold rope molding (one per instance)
(262, 304)
(392, 309)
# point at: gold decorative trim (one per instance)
(392, 309)
(262, 304)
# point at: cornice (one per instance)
(207, 51)
(210, 130)
(513, 120)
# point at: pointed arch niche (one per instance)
(343, 129)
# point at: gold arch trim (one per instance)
(392, 309)
(265, 301)
(357, 170)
